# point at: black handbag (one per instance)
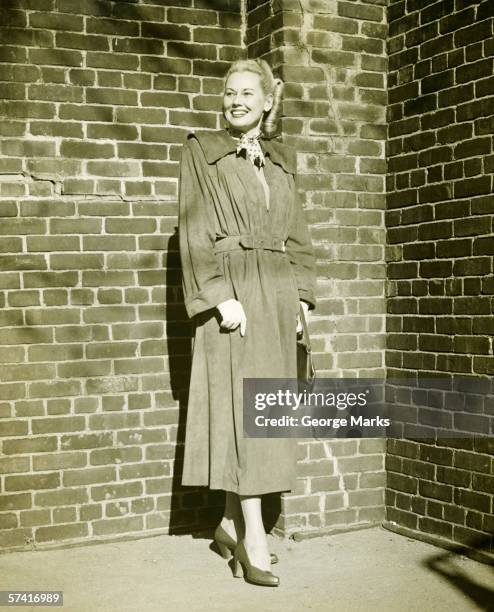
(306, 372)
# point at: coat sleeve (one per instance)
(203, 282)
(300, 252)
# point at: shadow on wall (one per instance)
(445, 567)
(191, 508)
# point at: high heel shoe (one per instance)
(251, 573)
(226, 544)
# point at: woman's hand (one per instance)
(305, 306)
(232, 315)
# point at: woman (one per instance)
(247, 263)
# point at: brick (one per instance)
(141, 151)
(362, 45)
(15, 538)
(32, 482)
(15, 501)
(76, 262)
(142, 506)
(484, 126)
(58, 406)
(453, 133)
(370, 13)
(468, 35)
(136, 45)
(57, 425)
(86, 150)
(64, 515)
(472, 110)
(55, 57)
(115, 456)
(209, 68)
(471, 499)
(34, 518)
(52, 316)
(82, 369)
(59, 461)
(13, 54)
(471, 461)
(12, 465)
(116, 491)
(440, 528)
(223, 36)
(102, 25)
(29, 445)
(115, 132)
(191, 17)
(85, 112)
(471, 187)
(88, 476)
(56, 21)
(114, 421)
(141, 115)
(29, 148)
(61, 532)
(120, 61)
(13, 91)
(53, 128)
(483, 483)
(474, 71)
(402, 483)
(90, 512)
(166, 65)
(112, 384)
(14, 428)
(118, 525)
(86, 441)
(472, 147)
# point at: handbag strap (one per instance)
(305, 329)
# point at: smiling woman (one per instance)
(247, 265)
(244, 101)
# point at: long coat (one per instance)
(233, 246)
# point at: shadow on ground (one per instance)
(445, 566)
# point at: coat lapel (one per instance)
(216, 144)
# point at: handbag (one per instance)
(306, 372)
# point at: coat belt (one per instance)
(249, 241)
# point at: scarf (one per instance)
(252, 148)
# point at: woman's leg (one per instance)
(256, 544)
(232, 521)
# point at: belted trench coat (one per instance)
(233, 246)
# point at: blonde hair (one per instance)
(269, 85)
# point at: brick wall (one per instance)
(440, 223)
(96, 100)
(332, 57)
(95, 345)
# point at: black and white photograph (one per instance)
(247, 305)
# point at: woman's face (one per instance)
(244, 101)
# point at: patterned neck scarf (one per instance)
(252, 148)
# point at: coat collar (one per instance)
(217, 144)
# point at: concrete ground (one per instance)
(368, 570)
